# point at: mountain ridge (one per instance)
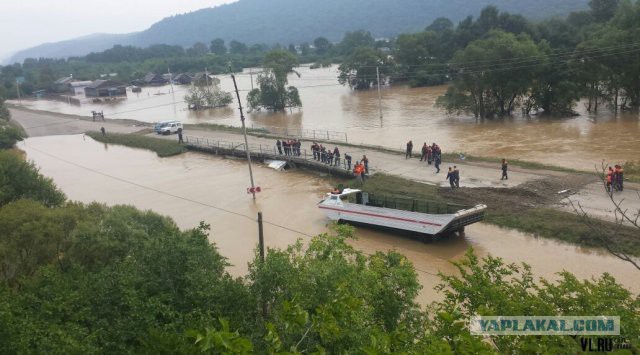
(288, 21)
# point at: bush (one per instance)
(162, 147)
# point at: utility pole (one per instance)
(251, 75)
(260, 237)
(18, 90)
(261, 247)
(170, 79)
(244, 132)
(379, 94)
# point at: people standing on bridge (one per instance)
(323, 154)
(429, 155)
(279, 145)
(336, 156)
(347, 159)
(358, 171)
(314, 150)
(452, 179)
(437, 161)
(505, 167)
(365, 161)
(104, 132)
(409, 150)
(298, 145)
(180, 135)
(423, 152)
(456, 175)
(619, 177)
(609, 180)
(330, 157)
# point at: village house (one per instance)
(154, 79)
(105, 88)
(63, 85)
(182, 79)
(77, 87)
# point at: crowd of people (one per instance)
(431, 154)
(615, 178)
(290, 147)
(328, 156)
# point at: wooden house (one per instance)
(154, 79)
(182, 79)
(105, 88)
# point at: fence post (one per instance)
(314, 134)
(345, 138)
(327, 135)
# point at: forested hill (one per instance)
(297, 21)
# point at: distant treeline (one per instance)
(498, 62)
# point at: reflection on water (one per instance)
(288, 199)
(408, 113)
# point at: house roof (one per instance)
(151, 77)
(103, 83)
(182, 76)
(64, 80)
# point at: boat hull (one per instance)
(421, 223)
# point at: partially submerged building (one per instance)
(105, 88)
(154, 80)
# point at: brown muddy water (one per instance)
(195, 187)
(408, 113)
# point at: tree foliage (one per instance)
(21, 180)
(359, 69)
(273, 93)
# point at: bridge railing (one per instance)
(312, 134)
(264, 149)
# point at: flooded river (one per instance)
(194, 187)
(408, 113)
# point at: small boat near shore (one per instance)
(421, 217)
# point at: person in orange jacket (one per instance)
(358, 171)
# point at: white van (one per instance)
(167, 127)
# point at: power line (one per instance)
(195, 201)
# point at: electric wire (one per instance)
(224, 210)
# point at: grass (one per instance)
(162, 147)
(565, 226)
(632, 170)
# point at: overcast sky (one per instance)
(27, 23)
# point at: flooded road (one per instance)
(194, 187)
(408, 113)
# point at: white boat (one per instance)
(371, 212)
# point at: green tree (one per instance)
(273, 93)
(353, 40)
(238, 48)
(484, 86)
(198, 49)
(322, 45)
(603, 10)
(491, 287)
(217, 47)
(19, 179)
(359, 69)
